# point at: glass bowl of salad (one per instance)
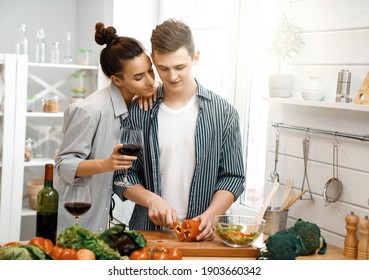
(238, 230)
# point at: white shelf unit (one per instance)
(319, 104)
(7, 130)
(23, 78)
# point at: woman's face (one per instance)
(138, 77)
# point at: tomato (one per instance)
(12, 243)
(174, 254)
(140, 255)
(187, 231)
(43, 243)
(60, 253)
(158, 255)
(85, 254)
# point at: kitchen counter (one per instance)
(217, 250)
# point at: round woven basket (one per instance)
(34, 186)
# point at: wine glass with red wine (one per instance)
(131, 138)
(77, 199)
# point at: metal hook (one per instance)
(307, 133)
(335, 138)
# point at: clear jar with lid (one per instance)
(84, 56)
(28, 149)
(51, 103)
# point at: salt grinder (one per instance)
(343, 86)
(363, 246)
(351, 241)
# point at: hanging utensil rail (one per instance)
(364, 138)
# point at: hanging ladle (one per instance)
(274, 175)
(333, 188)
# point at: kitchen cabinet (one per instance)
(34, 82)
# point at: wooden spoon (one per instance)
(297, 197)
(261, 212)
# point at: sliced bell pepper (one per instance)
(187, 231)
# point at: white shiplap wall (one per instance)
(336, 34)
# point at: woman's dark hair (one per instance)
(118, 49)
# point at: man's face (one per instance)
(175, 68)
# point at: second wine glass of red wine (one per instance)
(77, 199)
(131, 138)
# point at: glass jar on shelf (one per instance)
(31, 103)
(51, 103)
(84, 56)
(78, 89)
(28, 149)
(68, 58)
(55, 53)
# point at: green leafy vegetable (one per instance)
(77, 238)
(23, 252)
(124, 241)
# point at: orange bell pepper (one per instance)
(187, 231)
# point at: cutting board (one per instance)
(214, 248)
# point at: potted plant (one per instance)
(287, 40)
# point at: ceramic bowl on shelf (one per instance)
(238, 230)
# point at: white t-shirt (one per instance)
(176, 134)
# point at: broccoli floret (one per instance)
(283, 245)
(310, 235)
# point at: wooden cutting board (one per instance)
(214, 248)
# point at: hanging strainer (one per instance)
(333, 188)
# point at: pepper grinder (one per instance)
(363, 246)
(351, 241)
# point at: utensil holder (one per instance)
(275, 221)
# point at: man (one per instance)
(191, 165)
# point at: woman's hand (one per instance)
(117, 161)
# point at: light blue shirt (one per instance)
(91, 130)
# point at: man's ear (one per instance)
(196, 57)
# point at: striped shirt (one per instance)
(219, 163)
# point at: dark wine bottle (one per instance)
(47, 207)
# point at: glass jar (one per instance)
(40, 46)
(84, 56)
(55, 53)
(22, 41)
(51, 103)
(28, 149)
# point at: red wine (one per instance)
(77, 208)
(130, 149)
(46, 225)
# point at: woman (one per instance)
(89, 150)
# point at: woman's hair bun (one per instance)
(104, 35)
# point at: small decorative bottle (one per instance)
(68, 59)
(22, 42)
(47, 207)
(55, 53)
(363, 246)
(351, 241)
(40, 46)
